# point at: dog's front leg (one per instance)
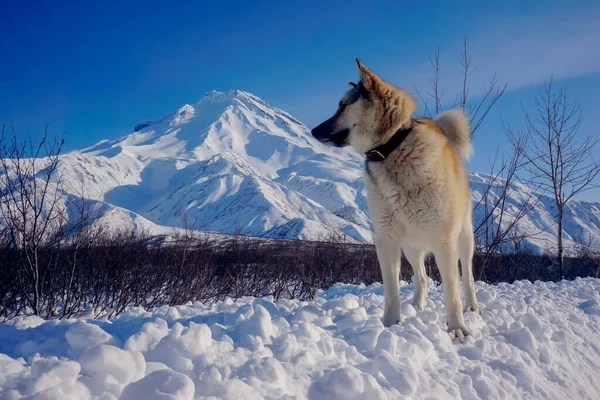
(388, 253)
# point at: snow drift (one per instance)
(535, 340)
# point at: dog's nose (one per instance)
(321, 131)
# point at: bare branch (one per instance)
(433, 99)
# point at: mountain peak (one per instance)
(214, 96)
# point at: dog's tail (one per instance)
(455, 125)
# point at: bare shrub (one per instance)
(31, 211)
(496, 216)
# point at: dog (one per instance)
(417, 190)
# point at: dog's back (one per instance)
(452, 168)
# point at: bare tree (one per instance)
(30, 204)
(560, 161)
(477, 110)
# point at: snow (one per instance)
(162, 384)
(534, 340)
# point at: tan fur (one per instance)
(430, 124)
(418, 197)
(390, 108)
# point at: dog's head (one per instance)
(367, 115)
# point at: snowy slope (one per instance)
(581, 219)
(231, 163)
(534, 341)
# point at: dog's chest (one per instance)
(402, 202)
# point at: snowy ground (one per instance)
(537, 340)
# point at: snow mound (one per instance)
(535, 340)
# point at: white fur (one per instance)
(455, 124)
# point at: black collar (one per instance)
(380, 153)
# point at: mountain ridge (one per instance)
(231, 163)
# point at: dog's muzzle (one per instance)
(326, 134)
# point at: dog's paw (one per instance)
(459, 333)
(390, 319)
(474, 308)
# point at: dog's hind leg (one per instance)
(416, 260)
(388, 254)
(446, 256)
(465, 253)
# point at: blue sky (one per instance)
(93, 69)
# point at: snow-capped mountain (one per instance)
(231, 163)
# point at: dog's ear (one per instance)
(352, 85)
(369, 80)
